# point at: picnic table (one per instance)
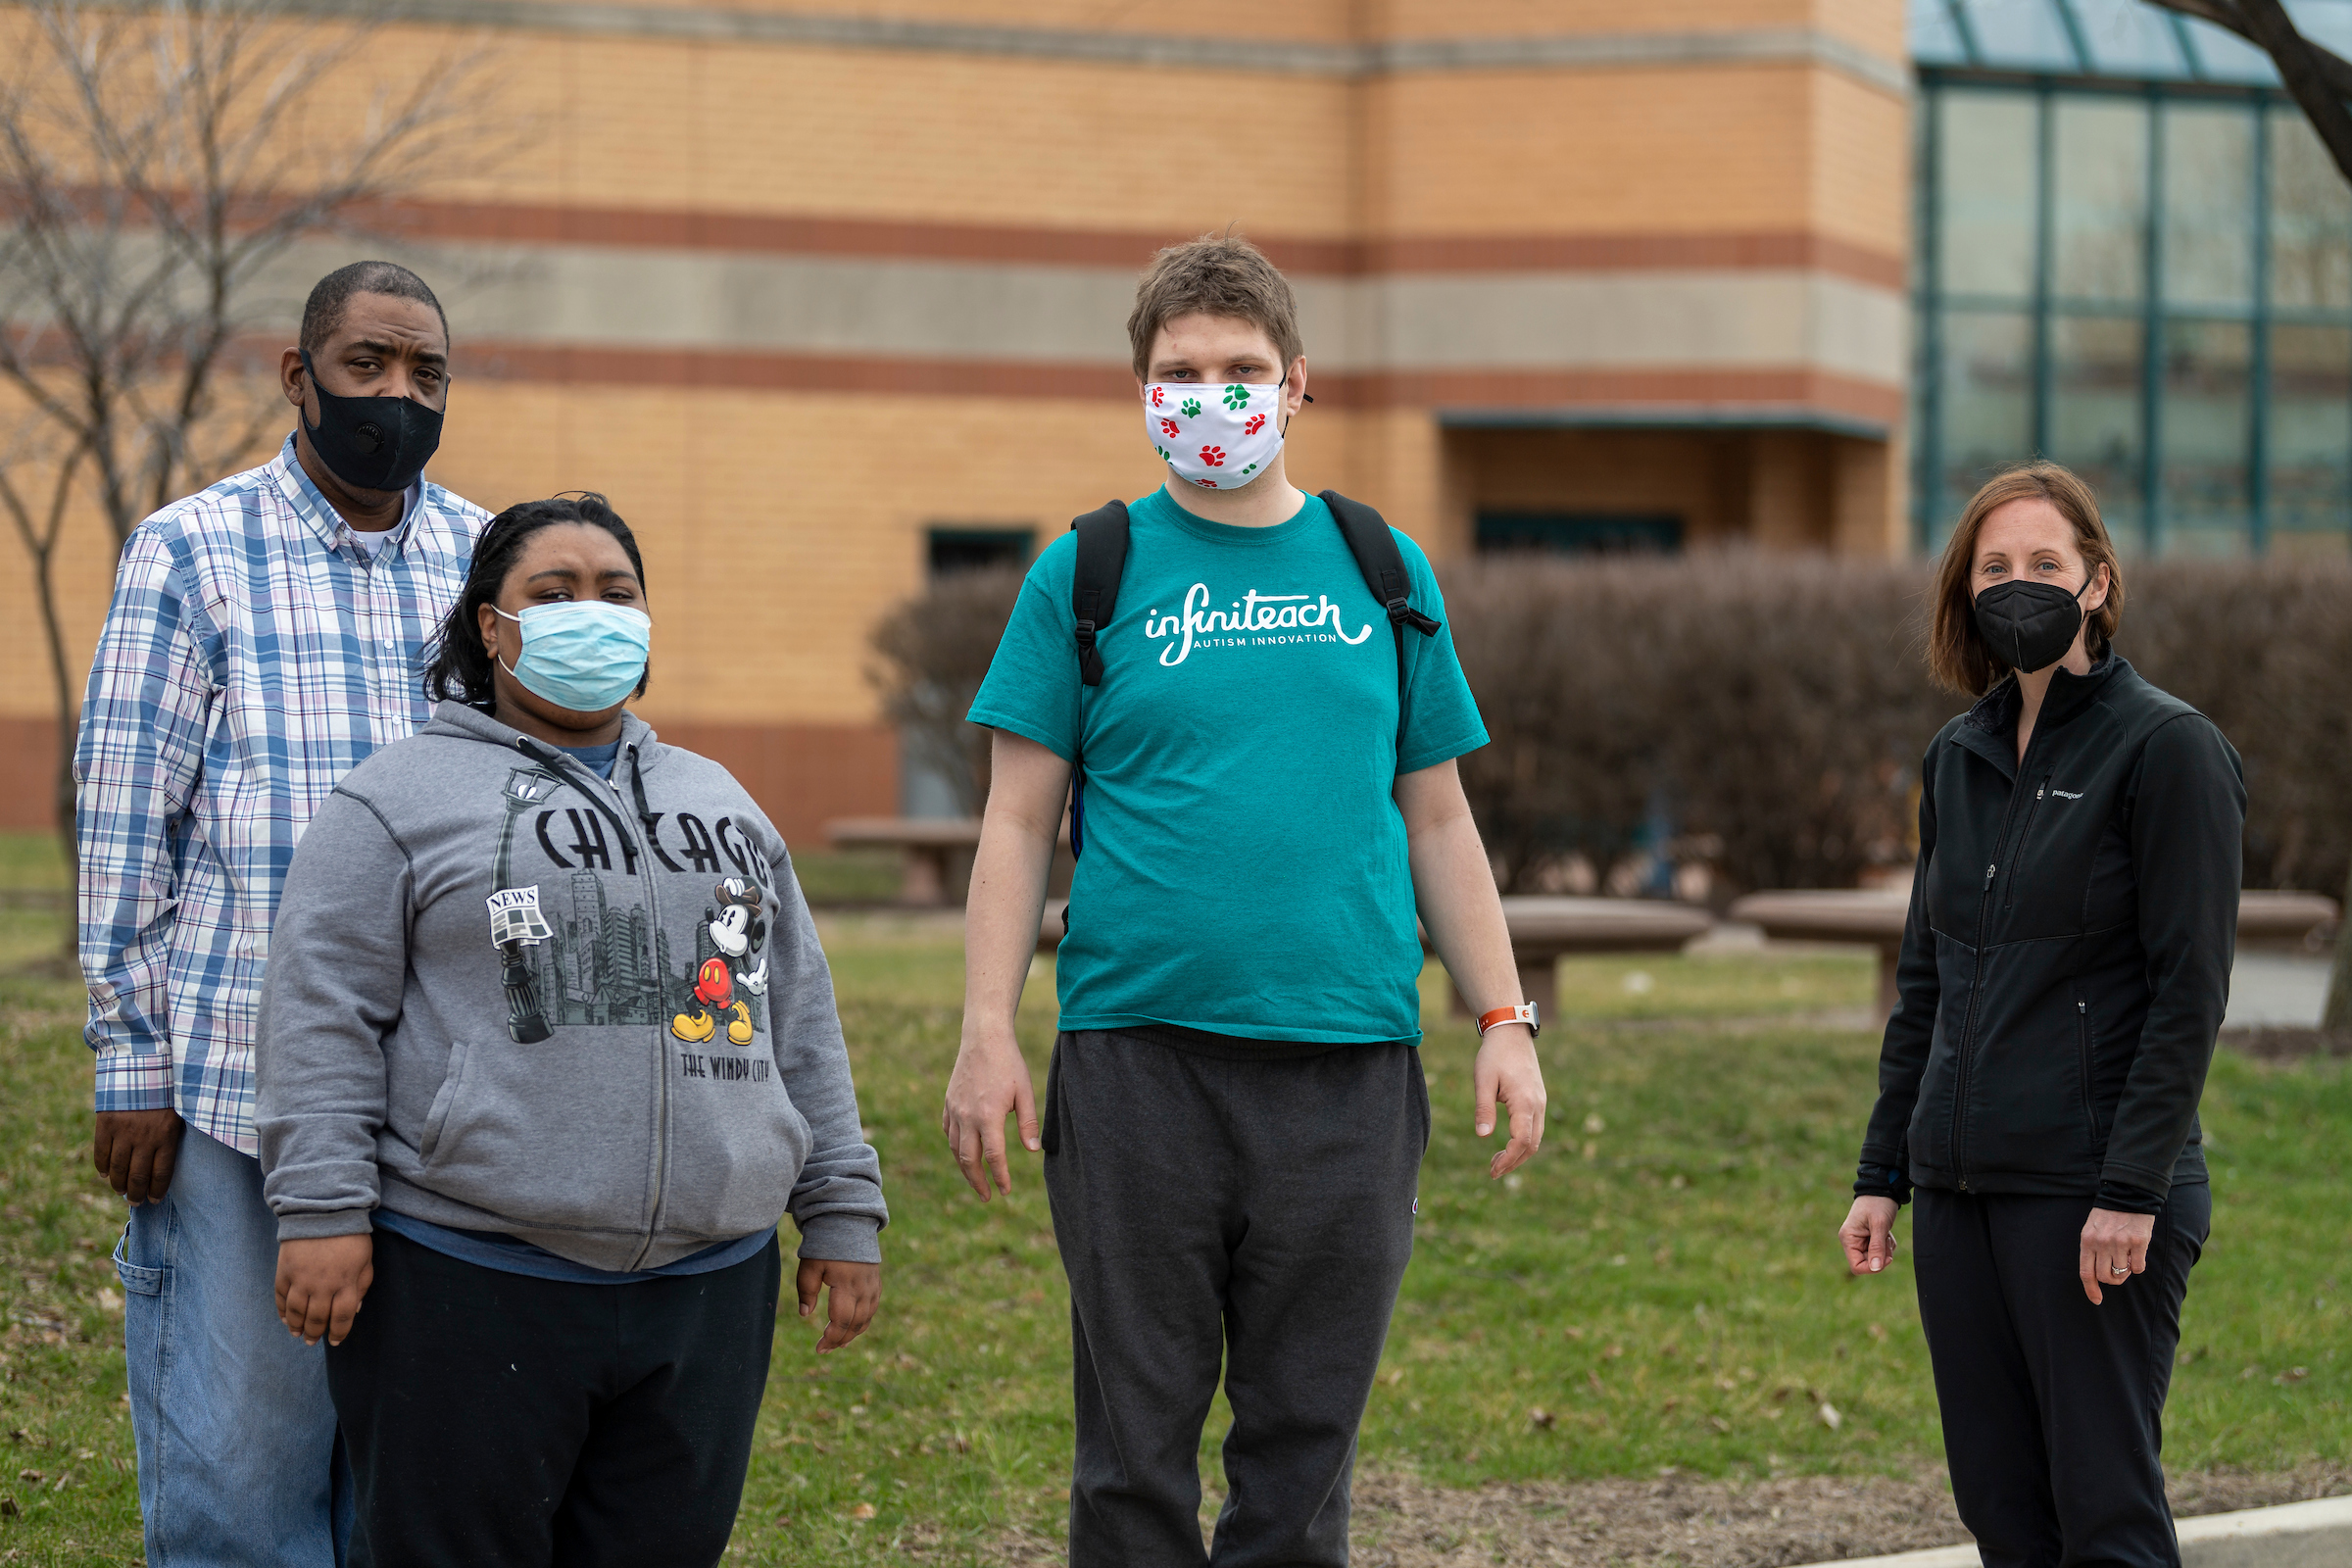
(1544, 930)
(1873, 918)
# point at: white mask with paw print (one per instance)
(1219, 437)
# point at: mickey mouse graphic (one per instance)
(738, 929)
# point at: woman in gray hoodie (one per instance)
(547, 1047)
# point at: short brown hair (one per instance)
(1956, 653)
(1216, 275)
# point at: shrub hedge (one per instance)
(1763, 713)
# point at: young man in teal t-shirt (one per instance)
(1236, 1112)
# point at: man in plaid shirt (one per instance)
(266, 636)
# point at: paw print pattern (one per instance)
(1250, 469)
(1213, 456)
(1167, 427)
(1163, 454)
(1189, 408)
(1257, 422)
(1236, 396)
(1207, 484)
(1156, 394)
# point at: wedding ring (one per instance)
(2116, 1269)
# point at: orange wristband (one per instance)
(1524, 1012)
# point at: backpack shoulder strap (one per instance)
(1381, 562)
(1095, 584)
(1383, 566)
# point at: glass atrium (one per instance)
(2133, 255)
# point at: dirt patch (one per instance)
(1403, 1523)
(1679, 1522)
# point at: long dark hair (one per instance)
(461, 667)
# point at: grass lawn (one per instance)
(1661, 1283)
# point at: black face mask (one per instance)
(2029, 625)
(371, 443)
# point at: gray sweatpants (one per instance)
(1257, 1209)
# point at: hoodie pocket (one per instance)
(550, 1135)
(438, 1117)
(737, 1144)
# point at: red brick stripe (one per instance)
(529, 224)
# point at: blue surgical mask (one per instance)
(582, 654)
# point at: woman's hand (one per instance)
(321, 1283)
(2115, 1246)
(854, 1291)
(1869, 1233)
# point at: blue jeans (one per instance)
(239, 1459)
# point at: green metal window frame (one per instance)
(1931, 304)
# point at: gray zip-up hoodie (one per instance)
(505, 995)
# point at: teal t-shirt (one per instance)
(1245, 868)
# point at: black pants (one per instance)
(1258, 1210)
(495, 1418)
(2053, 1408)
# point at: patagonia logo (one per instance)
(2068, 795)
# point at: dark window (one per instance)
(1581, 533)
(953, 550)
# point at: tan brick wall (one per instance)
(1859, 158)
(683, 126)
(1863, 20)
(1310, 21)
(778, 525)
(1777, 489)
(1685, 151)
(1874, 24)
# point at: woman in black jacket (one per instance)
(2062, 977)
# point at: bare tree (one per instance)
(2320, 80)
(155, 162)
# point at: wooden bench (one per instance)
(1876, 920)
(924, 845)
(1543, 931)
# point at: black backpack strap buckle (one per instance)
(1095, 581)
(1403, 614)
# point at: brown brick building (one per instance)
(823, 293)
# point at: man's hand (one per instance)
(991, 1082)
(853, 1291)
(1867, 1234)
(2115, 1246)
(321, 1283)
(135, 1151)
(1507, 1071)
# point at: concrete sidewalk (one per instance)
(2293, 1534)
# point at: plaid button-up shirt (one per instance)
(254, 654)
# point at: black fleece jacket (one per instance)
(2066, 961)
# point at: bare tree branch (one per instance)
(2229, 16)
(156, 163)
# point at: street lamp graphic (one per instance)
(515, 921)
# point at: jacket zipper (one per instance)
(652, 917)
(2026, 831)
(653, 908)
(2087, 1052)
(1968, 1027)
